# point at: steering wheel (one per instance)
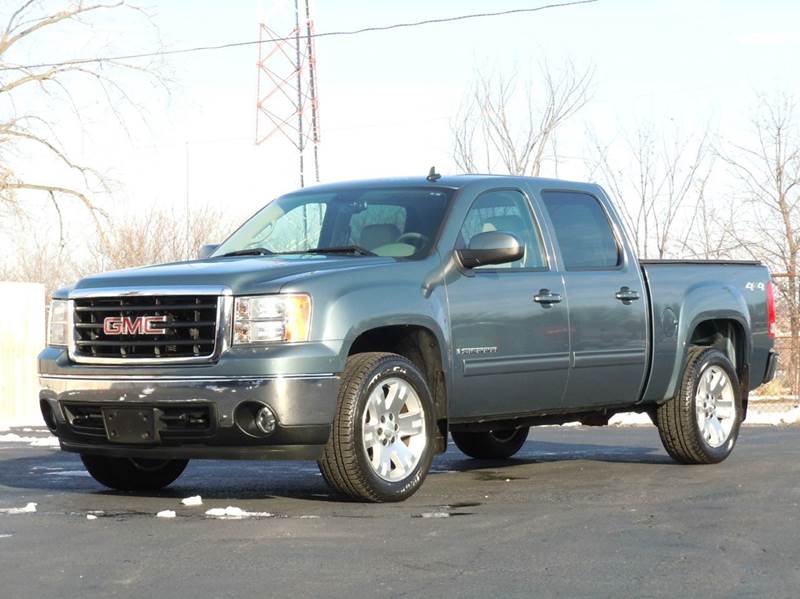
(418, 240)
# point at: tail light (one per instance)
(771, 320)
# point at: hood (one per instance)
(243, 274)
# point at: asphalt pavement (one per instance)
(580, 512)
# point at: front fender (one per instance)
(346, 307)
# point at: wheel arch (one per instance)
(425, 349)
(728, 335)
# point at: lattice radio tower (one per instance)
(287, 87)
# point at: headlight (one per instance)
(271, 318)
(58, 329)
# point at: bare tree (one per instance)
(158, 236)
(709, 234)
(26, 130)
(499, 123)
(656, 182)
(37, 253)
(768, 175)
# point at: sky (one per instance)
(388, 99)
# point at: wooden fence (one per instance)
(22, 337)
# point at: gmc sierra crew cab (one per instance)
(358, 324)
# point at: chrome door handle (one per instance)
(627, 295)
(546, 297)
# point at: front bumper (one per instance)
(200, 417)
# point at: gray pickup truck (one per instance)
(357, 324)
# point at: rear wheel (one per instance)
(133, 474)
(381, 443)
(700, 425)
(497, 445)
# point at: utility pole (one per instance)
(188, 214)
(287, 87)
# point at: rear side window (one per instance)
(582, 229)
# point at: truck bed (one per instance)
(685, 292)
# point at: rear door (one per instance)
(607, 302)
(509, 322)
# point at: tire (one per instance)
(363, 458)
(129, 474)
(679, 419)
(491, 445)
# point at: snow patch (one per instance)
(433, 515)
(235, 513)
(26, 423)
(32, 441)
(91, 517)
(165, 514)
(754, 416)
(192, 501)
(630, 419)
(46, 442)
(30, 508)
(773, 418)
(81, 473)
(6, 536)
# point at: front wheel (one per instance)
(133, 474)
(491, 445)
(381, 443)
(701, 423)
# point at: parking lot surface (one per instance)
(579, 512)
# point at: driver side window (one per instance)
(507, 211)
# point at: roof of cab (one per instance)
(448, 181)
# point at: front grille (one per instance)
(189, 327)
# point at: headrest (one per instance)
(508, 224)
(373, 236)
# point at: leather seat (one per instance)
(507, 224)
(373, 236)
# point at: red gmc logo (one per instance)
(142, 325)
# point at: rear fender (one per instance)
(703, 303)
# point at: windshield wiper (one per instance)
(250, 252)
(344, 249)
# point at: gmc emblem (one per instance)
(142, 325)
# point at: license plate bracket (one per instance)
(130, 425)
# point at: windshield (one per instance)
(394, 222)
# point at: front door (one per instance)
(607, 303)
(509, 322)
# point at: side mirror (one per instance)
(492, 247)
(206, 250)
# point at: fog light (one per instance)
(265, 420)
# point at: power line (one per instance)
(78, 61)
